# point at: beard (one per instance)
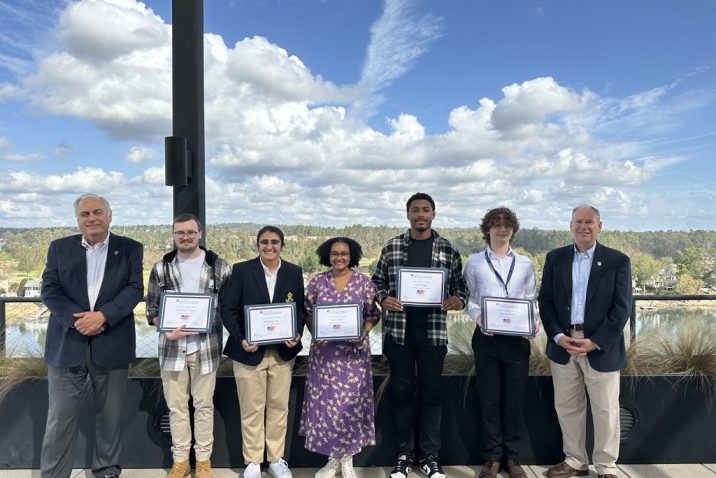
(422, 226)
(187, 248)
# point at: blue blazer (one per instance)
(607, 307)
(247, 286)
(64, 292)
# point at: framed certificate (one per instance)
(270, 323)
(422, 286)
(338, 321)
(193, 311)
(506, 316)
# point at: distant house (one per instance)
(31, 288)
(666, 279)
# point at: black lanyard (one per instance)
(499, 277)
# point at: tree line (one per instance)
(687, 259)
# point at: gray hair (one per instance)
(587, 206)
(91, 195)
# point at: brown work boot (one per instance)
(180, 469)
(203, 469)
(563, 470)
(490, 469)
(515, 470)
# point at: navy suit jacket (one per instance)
(247, 286)
(607, 306)
(64, 292)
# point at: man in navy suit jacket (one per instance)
(585, 301)
(263, 372)
(91, 284)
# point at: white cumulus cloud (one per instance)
(140, 154)
(284, 144)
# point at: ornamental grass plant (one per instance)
(14, 371)
(687, 349)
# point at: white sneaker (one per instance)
(347, 467)
(331, 469)
(280, 469)
(253, 470)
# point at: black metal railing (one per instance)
(632, 319)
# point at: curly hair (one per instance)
(503, 215)
(324, 251)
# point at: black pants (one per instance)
(501, 370)
(403, 360)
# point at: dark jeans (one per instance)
(403, 360)
(501, 371)
(65, 387)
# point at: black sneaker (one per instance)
(430, 466)
(403, 466)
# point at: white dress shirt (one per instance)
(96, 262)
(482, 281)
(270, 278)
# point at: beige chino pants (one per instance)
(178, 387)
(570, 402)
(263, 392)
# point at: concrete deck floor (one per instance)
(627, 471)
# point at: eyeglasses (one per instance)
(340, 254)
(266, 242)
(189, 234)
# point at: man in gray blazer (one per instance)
(91, 284)
(585, 301)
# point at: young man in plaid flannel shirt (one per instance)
(189, 360)
(417, 335)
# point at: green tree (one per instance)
(687, 285)
(698, 262)
(644, 268)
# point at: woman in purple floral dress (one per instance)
(337, 418)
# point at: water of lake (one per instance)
(27, 339)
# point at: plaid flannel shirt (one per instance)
(394, 255)
(165, 276)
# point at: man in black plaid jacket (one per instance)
(417, 335)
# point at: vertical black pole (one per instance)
(632, 321)
(188, 101)
(3, 344)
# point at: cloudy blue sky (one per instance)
(333, 112)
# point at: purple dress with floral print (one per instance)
(337, 417)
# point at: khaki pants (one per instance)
(177, 388)
(570, 402)
(263, 392)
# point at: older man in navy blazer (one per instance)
(585, 300)
(91, 284)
